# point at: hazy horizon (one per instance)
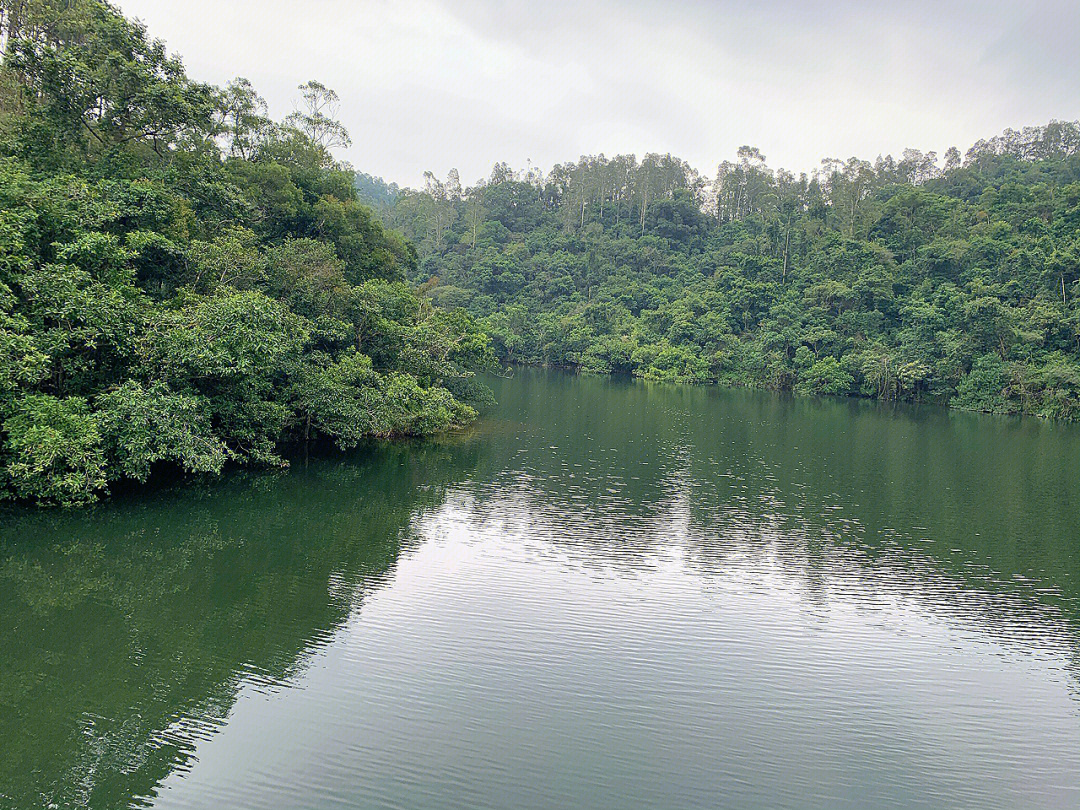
(435, 85)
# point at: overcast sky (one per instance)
(436, 84)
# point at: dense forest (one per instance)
(185, 283)
(953, 281)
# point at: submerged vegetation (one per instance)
(186, 283)
(953, 281)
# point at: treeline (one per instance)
(185, 283)
(951, 280)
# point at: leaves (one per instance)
(184, 283)
(142, 425)
(54, 451)
(889, 280)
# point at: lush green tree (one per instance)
(53, 450)
(896, 280)
(185, 283)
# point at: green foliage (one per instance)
(349, 401)
(825, 376)
(895, 280)
(53, 450)
(983, 389)
(185, 283)
(142, 425)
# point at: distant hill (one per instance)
(952, 280)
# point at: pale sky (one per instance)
(435, 84)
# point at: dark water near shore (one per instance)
(609, 594)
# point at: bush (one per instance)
(983, 388)
(141, 425)
(54, 450)
(825, 376)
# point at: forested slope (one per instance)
(185, 283)
(953, 281)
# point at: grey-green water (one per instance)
(608, 595)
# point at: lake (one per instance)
(608, 594)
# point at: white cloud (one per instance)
(434, 85)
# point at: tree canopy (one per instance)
(954, 281)
(185, 283)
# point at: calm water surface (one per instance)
(608, 595)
